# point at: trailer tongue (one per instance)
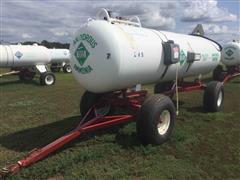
(99, 119)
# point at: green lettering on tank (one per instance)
(82, 53)
(83, 70)
(215, 57)
(183, 57)
(205, 57)
(229, 51)
(86, 37)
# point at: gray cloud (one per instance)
(224, 38)
(158, 15)
(58, 20)
(41, 20)
(219, 33)
(206, 11)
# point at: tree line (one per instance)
(48, 44)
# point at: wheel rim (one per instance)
(49, 79)
(220, 98)
(69, 69)
(164, 122)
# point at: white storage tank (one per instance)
(59, 55)
(111, 54)
(231, 54)
(23, 55)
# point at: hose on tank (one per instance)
(176, 88)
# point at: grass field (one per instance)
(203, 145)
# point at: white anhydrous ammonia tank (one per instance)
(59, 55)
(108, 55)
(231, 54)
(23, 55)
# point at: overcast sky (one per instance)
(57, 20)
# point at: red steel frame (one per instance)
(232, 73)
(99, 119)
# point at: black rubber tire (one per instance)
(218, 74)
(162, 87)
(54, 68)
(87, 101)
(44, 76)
(211, 96)
(66, 68)
(26, 75)
(149, 118)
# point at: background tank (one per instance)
(231, 54)
(59, 55)
(23, 55)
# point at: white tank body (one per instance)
(107, 57)
(23, 55)
(59, 55)
(231, 54)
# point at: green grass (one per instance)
(203, 145)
